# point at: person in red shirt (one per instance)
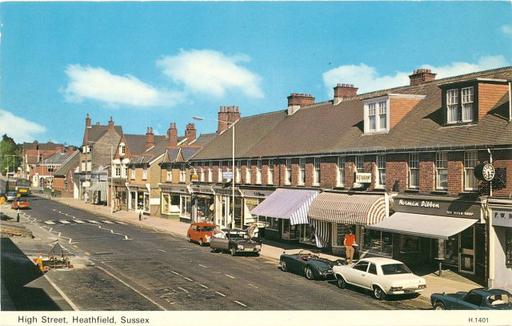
(348, 242)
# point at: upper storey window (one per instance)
(376, 116)
(460, 105)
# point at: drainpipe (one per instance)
(492, 234)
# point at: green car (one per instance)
(476, 299)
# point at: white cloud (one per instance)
(368, 79)
(211, 72)
(101, 85)
(507, 30)
(20, 129)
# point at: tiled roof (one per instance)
(36, 145)
(72, 162)
(326, 128)
(204, 139)
(96, 131)
(137, 143)
(57, 158)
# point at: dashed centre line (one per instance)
(182, 289)
(240, 303)
(253, 286)
(188, 279)
(107, 222)
(79, 221)
(49, 222)
(221, 294)
(230, 276)
(64, 222)
(161, 250)
(203, 266)
(176, 273)
(203, 286)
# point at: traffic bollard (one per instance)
(140, 216)
(18, 215)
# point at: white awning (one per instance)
(287, 204)
(427, 226)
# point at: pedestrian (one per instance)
(349, 242)
(18, 215)
(140, 215)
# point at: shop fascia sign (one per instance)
(502, 217)
(425, 206)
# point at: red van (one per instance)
(200, 232)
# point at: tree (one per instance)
(10, 156)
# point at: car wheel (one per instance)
(439, 306)
(340, 282)
(284, 268)
(232, 251)
(378, 293)
(201, 242)
(189, 239)
(308, 272)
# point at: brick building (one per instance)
(44, 171)
(35, 153)
(64, 181)
(396, 166)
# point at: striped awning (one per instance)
(356, 209)
(287, 204)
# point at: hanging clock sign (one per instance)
(485, 172)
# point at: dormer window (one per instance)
(460, 105)
(376, 117)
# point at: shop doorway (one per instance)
(467, 251)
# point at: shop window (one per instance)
(409, 244)
(306, 234)
(185, 206)
(166, 204)
(378, 242)
(205, 208)
(271, 223)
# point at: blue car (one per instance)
(476, 299)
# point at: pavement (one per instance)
(449, 282)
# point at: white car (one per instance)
(383, 276)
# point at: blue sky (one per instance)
(149, 64)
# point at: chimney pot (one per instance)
(150, 138)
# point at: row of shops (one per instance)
(422, 231)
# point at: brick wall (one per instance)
(488, 97)
(399, 107)
(503, 159)
(295, 175)
(264, 174)
(350, 169)
(455, 173)
(427, 184)
(309, 173)
(328, 173)
(396, 172)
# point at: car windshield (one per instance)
(499, 299)
(238, 235)
(391, 269)
(206, 228)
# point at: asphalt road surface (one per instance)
(120, 266)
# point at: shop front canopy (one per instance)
(358, 209)
(426, 226)
(287, 204)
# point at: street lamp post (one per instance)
(233, 182)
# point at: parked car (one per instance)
(476, 299)
(11, 195)
(383, 276)
(305, 263)
(235, 241)
(20, 203)
(200, 232)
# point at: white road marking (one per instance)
(131, 287)
(62, 294)
(203, 266)
(188, 279)
(161, 250)
(107, 222)
(221, 294)
(253, 286)
(182, 289)
(64, 222)
(49, 222)
(79, 221)
(119, 222)
(230, 276)
(176, 273)
(203, 286)
(93, 221)
(240, 303)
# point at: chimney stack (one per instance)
(150, 138)
(172, 135)
(111, 123)
(226, 116)
(298, 100)
(343, 91)
(420, 76)
(190, 133)
(87, 121)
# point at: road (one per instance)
(119, 266)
